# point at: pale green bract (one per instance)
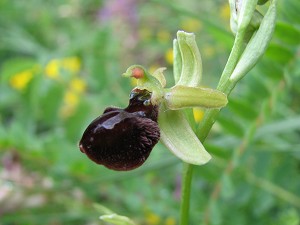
(257, 45)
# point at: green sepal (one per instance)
(179, 138)
(257, 45)
(159, 75)
(245, 13)
(190, 62)
(180, 97)
(177, 61)
(244, 18)
(233, 16)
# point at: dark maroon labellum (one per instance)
(122, 139)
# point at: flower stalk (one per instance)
(237, 67)
(241, 61)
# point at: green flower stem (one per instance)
(186, 193)
(225, 86)
(255, 49)
(234, 56)
(211, 114)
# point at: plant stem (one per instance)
(234, 56)
(211, 114)
(226, 86)
(185, 193)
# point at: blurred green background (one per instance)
(60, 66)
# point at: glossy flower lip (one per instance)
(122, 139)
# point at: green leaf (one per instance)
(179, 138)
(102, 209)
(218, 150)
(242, 108)
(279, 127)
(289, 216)
(278, 53)
(231, 126)
(227, 190)
(287, 33)
(14, 66)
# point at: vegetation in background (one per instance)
(60, 66)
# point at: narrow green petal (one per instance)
(159, 75)
(180, 97)
(179, 138)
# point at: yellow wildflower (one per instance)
(198, 114)
(71, 98)
(152, 219)
(66, 111)
(209, 51)
(52, 68)
(71, 64)
(225, 12)
(170, 221)
(191, 25)
(20, 80)
(145, 33)
(169, 56)
(163, 36)
(78, 85)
